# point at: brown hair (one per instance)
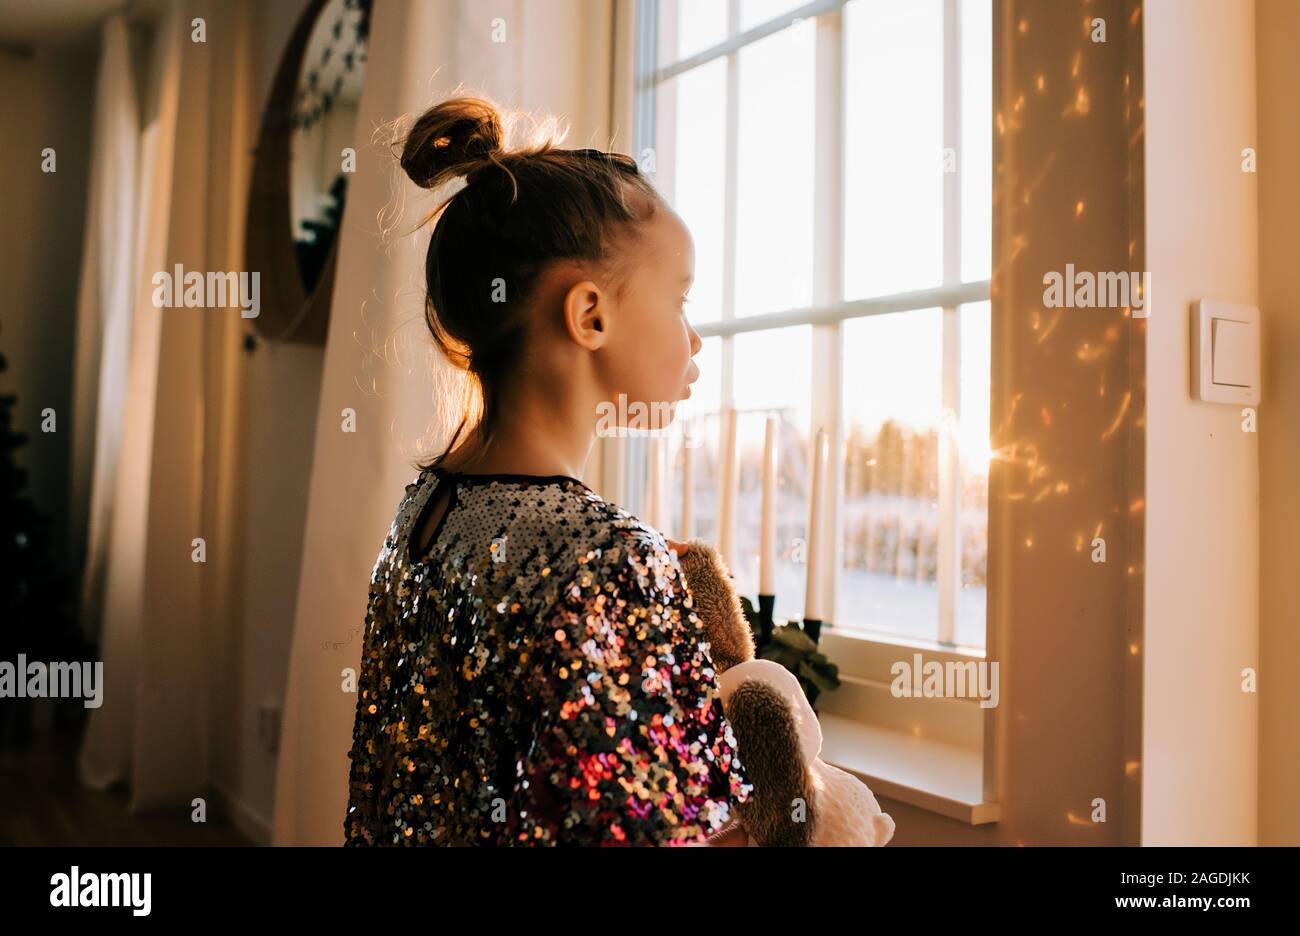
(519, 211)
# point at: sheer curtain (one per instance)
(116, 600)
(106, 754)
(104, 307)
(159, 641)
(379, 361)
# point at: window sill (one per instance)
(942, 778)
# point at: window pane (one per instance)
(890, 521)
(697, 418)
(692, 135)
(695, 24)
(774, 370)
(757, 12)
(976, 158)
(893, 146)
(774, 212)
(773, 374)
(973, 437)
(704, 480)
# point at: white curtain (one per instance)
(106, 754)
(104, 309)
(379, 360)
(159, 643)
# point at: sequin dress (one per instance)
(536, 677)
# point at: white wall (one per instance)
(282, 386)
(1200, 731)
(1277, 31)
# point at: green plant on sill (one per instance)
(794, 650)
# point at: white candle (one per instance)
(688, 483)
(664, 518)
(727, 501)
(620, 466)
(813, 593)
(767, 535)
(655, 483)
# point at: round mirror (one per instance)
(303, 161)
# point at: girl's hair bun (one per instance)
(452, 139)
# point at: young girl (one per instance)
(532, 671)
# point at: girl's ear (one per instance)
(585, 310)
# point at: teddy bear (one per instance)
(798, 798)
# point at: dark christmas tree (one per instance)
(36, 594)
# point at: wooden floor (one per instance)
(42, 803)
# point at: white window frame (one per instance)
(864, 659)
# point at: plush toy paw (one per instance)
(780, 809)
(798, 798)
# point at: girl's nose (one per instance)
(696, 343)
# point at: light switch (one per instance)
(1232, 363)
(1225, 352)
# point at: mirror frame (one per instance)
(288, 313)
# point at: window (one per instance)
(833, 161)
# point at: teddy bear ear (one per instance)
(783, 686)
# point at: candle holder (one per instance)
(791, 645)
(813, 628)
(766, 613)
